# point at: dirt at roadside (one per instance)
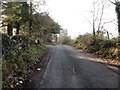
(37, 72)
(109, 61)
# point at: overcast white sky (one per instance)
(70, 15)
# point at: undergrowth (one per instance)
(18, 60)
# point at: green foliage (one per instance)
(36, 51)
(17, 13)
(55, 28)
(21, 51)
(18, 57)
(12, 61)
(46, 27)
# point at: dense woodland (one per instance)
(26, 32)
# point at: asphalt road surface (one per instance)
(69, 68)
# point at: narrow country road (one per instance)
(69, 68)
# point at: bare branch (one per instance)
(113, 2)
(112, 21)
(97, 13)
(87, 19)
(103, 5)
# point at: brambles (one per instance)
(18, 59)
(25, 33)
(103, 48)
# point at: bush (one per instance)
(18, 59)
(101, 47)
(6, 44)
(14, 65)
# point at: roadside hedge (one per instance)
(19, 56)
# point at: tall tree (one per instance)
(8, 12)
(44, 26)
(56, 30)
(97, 17)
(16, 14)
(117, 9)
(97, 22)
(30, 17)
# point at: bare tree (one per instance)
(97, 17)
(98, 21)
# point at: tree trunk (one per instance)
(10, 29)
(18, 28)
(108, 35)
(94, 36)
(56, 38)
(30, 19)
(119, 25)
(117, 9)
